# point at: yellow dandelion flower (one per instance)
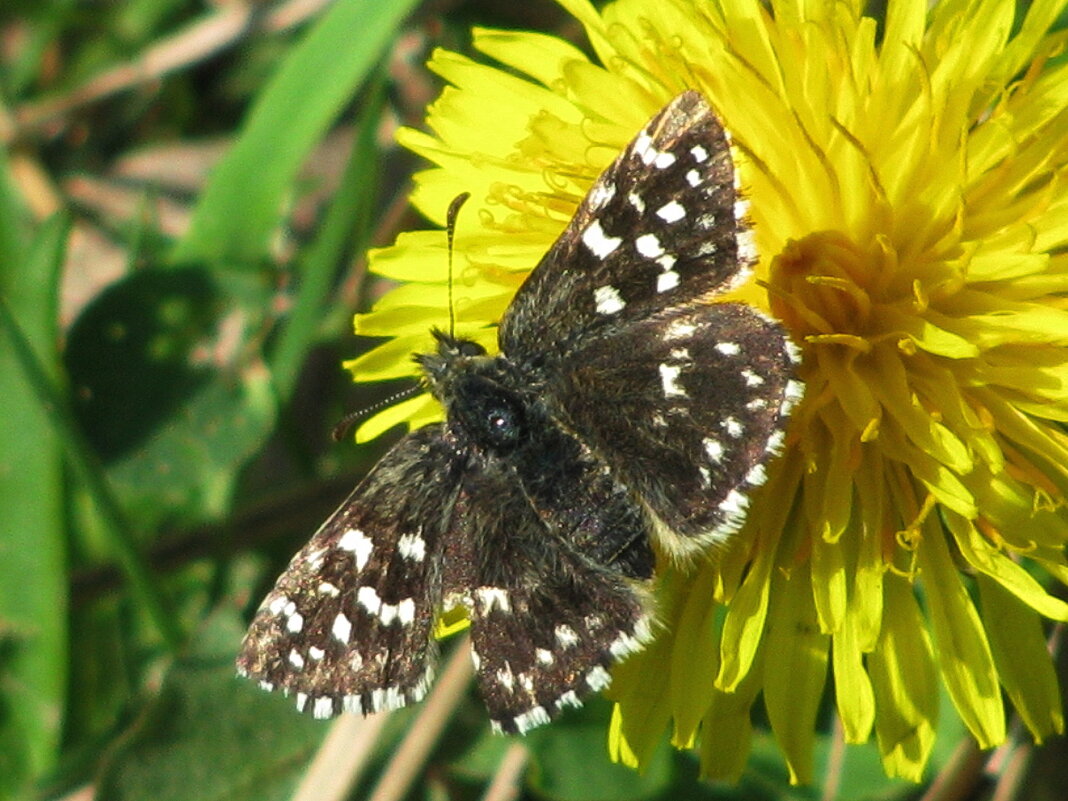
(907, 185)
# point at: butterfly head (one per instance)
(478, 392)
(453, 355)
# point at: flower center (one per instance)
(822, 289)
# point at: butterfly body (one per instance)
(623, 412)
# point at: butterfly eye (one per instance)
(502, 426)
(490, 415)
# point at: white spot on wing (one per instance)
(378, 700)
(669, 378)
(599, 243)
(316, 653)
(667, 281)
(565, 635)
(324, 707)
(359, 544)
(649, 246)
(636, 201)
(775, 442)
(601, 194)
(608, 300)
(490, 597)
(402, 611)
(505, 677)
(544, 656)
(728, 348)
(757, 475)
(598, 678)
(751, 378)
(693, 178)
(295, 623)
(568, 699)
(296, 660)
(733, 427)
(630, 642)
(664, 160)
(643, 148)
(672, 211)
(735, 504)
(342, 628)
(747, 251)
(795, 390)
(699, 154)
(328, 589)
(367, 597)
(679, 329)
(528, 720)
(412, 546)
(714, 450)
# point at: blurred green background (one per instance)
(186, 193)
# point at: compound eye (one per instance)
(502, 426)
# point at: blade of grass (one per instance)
(235, 217)
(33, 556)
(87, 468)
(505, 785)
(396, 780)
(345, 229)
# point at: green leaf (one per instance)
(167, 392)
(211, 735)
(569, 762)
(241, 206)
(346, 228)
(33, 586)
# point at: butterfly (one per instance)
(625, 411)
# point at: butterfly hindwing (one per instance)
(539, 649)
(661, 226)
(685, 407)
(347, 625)
(550, 612)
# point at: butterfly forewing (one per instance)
(661, 226)
(348, 624)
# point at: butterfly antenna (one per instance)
(346, 423)
(450, 232)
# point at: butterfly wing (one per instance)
(662, 225)
(685, 408)
(550, 608)
(348, 624)
(683, 398)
